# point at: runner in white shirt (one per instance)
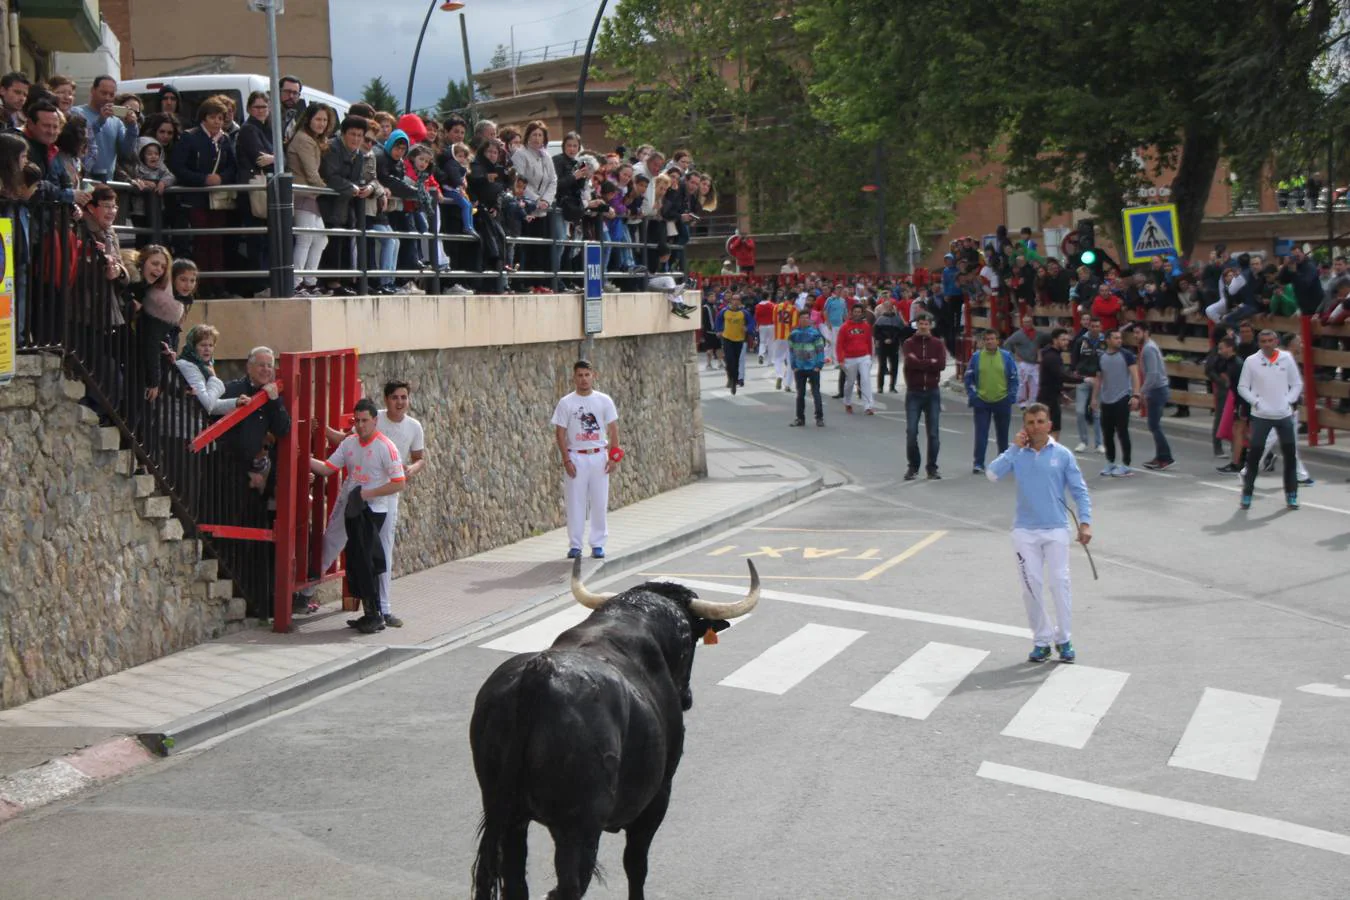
(406, 433)
(373, 466)
(581, 423)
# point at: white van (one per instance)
(193, 89)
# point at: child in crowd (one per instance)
(184, 291)
(148, 175)
(420, 159)
(464, 157)
(515, 214)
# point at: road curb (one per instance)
(274, 698)
(66, 776)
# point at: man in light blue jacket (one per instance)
(991, 386)
(1044, 468)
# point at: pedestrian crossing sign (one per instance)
(1151, 231)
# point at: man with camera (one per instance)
(113, 130)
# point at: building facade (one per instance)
(165, 37)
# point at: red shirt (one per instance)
(742, 249)
(924, 360)
(764, 312)
(855, 339)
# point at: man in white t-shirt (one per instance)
(374, 476)
(586, 429)
(406, 432)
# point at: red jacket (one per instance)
(855, 339)
(1108, 310)
(925, 358)
(742, 249)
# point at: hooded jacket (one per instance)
(391, 172)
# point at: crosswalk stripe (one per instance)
(1227, 734)
(539, 635)
(916, 687)
(779, 668)
(1065, 709)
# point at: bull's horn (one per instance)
(584, 596)
(708, 610)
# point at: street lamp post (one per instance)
(445, 6)
(586, 64)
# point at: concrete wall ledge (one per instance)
(406, 322)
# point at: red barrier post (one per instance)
(224, 424)
(1309, 379)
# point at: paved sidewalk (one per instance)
(214, 687)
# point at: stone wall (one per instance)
(95, 576)
(493, 475)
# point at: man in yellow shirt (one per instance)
(732, 327)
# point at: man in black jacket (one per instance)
(252, 442)
(1054, 376)
(1300, 271)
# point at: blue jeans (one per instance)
(1001, 414)
(924, 403)
(1157, 402)
(388, 251)
(465, 210)
(1082, 399)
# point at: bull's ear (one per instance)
(719, 625)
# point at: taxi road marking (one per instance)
(811, 553)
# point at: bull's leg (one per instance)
(574, 856)
(515, 844)
(640, 834)
(501, 863)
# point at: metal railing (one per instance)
(162, 223)
(75, 311)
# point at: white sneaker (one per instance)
(1080, 448)
(1100, 448)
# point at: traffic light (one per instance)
(1088, 255)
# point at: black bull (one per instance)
(585, 736)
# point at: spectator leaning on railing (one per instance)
(304, 159)
(343, 168)
(41, 132)
(14, 196)
(252, 441)
(197, 365)
(204, 157)
(255, 157)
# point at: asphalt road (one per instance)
(871, 731)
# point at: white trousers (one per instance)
(1028, 382)
(858, 369)
(765, 340)
(308, 247)
(1045, 552)
(829, 334)
(779, 356)
(587, 496)
(335, 538)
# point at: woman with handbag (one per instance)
(204, 157)
(255, 156)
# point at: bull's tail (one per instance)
(502, 829)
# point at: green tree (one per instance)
(1084, 111)
(732, 82)
(378, 95)
(456, 100)
(501, 57)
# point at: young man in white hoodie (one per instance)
(1271, 383)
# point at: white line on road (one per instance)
(890, 612)
(1301, 502)
(1065, 709)
(1245, 823)
(784, 665)
(1227, 734)
(916, 686)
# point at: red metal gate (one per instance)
(321, 389)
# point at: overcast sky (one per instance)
(366, 46)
